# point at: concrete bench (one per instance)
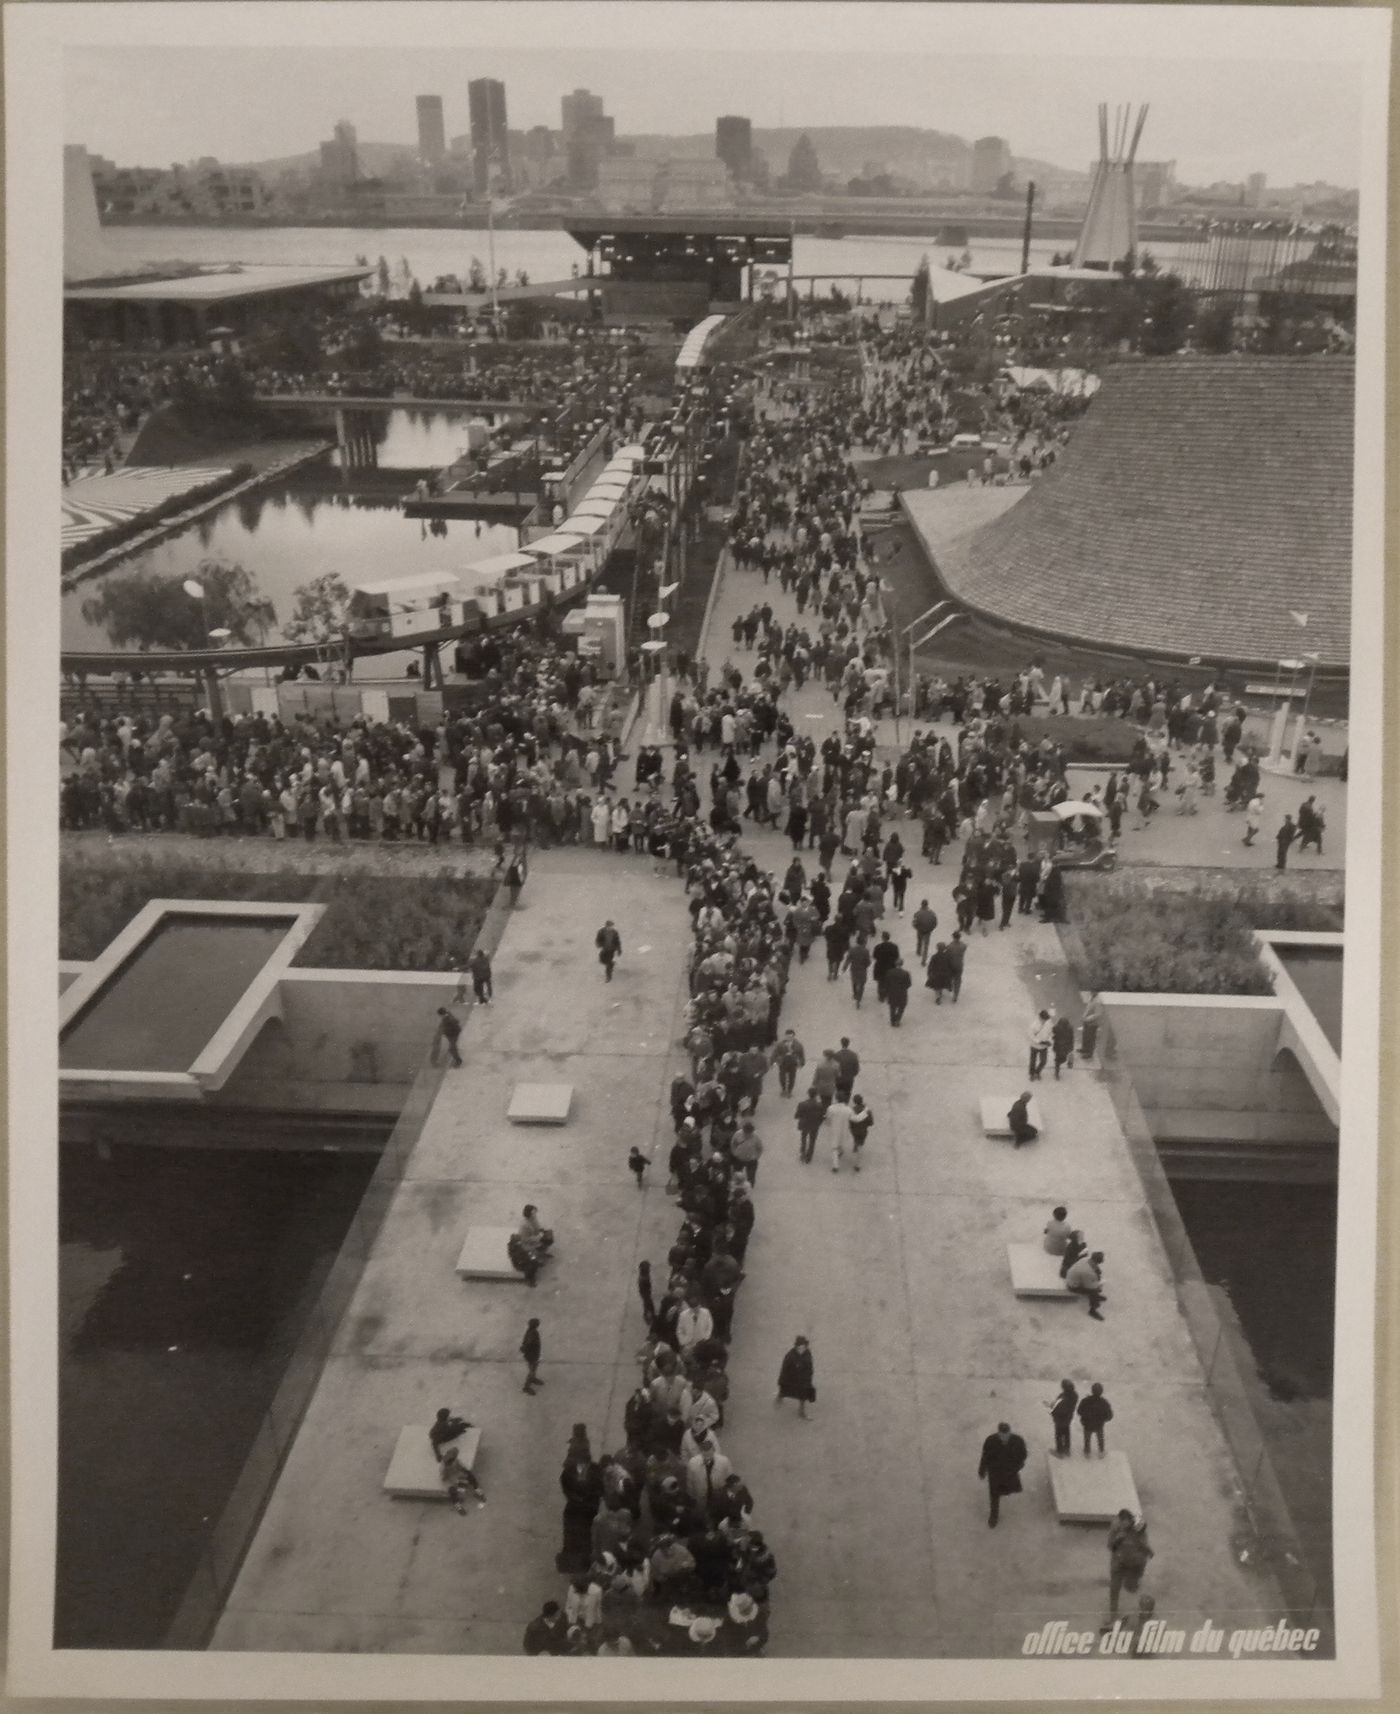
(994, 1111)
(540, 1103)
(414, 1473)
(1034, 1272)
(486, 1255)
(1092, 1490)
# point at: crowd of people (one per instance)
(659, 1541)
(108, 390)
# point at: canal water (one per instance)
(433, 251)
(1271, 1249)
(185, 1279)
(316, 520)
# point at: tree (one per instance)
(1215, 327)
(476, 276)
(1167, 318)
(804, 170)
(319, 610)
(157, 612)
(364, 349)
(296, 345)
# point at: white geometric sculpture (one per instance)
(1109, 231)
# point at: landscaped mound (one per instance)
(1137, 940)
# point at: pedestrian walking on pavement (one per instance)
(862, 1118)
(609, 944)
(1094, 1412)
(479, 969)
(858, 963)
(789, 1056)
(838, 1120)
(1062, 1408)
(811, 1113)
(1283, 839)
(1003, 1459)
(847, 1068)
(923, 921)
(1040, 1036)
(1128, 1554)
(1253, 818)
(449, 1031)
(637, 1164)
(795, 1376)
(530, 1351)
(897, 984)
(1062, 1041)
(957, 957)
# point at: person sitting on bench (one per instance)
(529, 1245)
(1018, 1120)
(459, 1481)
(456, 1478)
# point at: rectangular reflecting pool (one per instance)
(163, 1006)
(1317, 972)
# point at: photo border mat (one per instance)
(34, 34)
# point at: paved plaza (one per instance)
(898, 1276)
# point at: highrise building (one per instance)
(734, 144)
(991, 161)
(340, 159)
(589, 135)
(577, 109)
(486, 100)
(1254, 189)
(432, 135)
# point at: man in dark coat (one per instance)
(957, 957)
(897, 984)
(548, 1631)
(1003, 1458)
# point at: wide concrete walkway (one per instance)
(336, 1565)
(899, 1278)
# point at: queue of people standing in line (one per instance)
(659, 1542)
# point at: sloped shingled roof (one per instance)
(1199, 501)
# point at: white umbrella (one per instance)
(1067, 811)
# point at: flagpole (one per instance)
(491, 256)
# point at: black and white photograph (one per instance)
(684, 828)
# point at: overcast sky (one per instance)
(1219, 116)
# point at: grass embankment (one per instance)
(372, 922)
(1136, 940)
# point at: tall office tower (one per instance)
(734, 144)
(486, 98)
(432, 136)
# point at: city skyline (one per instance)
(1219, 120)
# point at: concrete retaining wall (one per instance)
(1208, 1068)
(347, 1040)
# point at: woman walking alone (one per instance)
(795, 1376)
